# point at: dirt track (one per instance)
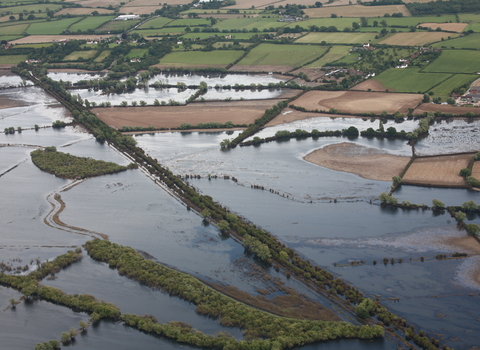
(238, 112)
(369, 163)
(441, 171)
(355, 102)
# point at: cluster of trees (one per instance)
(256, 324)
(67, 166)
(439, 7)
(287, 135)
(211, 125)
(423, 127)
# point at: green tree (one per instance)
(223, 226)
(436, 204)
(473, 229)
(206, 214)
(465, 172)
(460, 216)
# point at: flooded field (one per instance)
(331, 218)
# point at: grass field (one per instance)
(356, 11)
(443, 90)
(117, 25)
(136, 53)
(102, 55)
(34, 7)
(12, 59)
(337, 38)
(216, 57)
(335, 53)
(417, 38)
(471, 41)
(51, 27)
(409, 80)
(82, 11)
(92, 22)
(213, 12)
(239, 36)
(12, 30)
(340, 23)
(412, 21)
(249, 23)
(75, 55)
(161, 31)
(158, 22)
(10, 37)
(36, 46)
(282, 55)
(456, 61)
(189, 22)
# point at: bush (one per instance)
(465, 172)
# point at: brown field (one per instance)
(451, 27)
(290, 115)
(156, 3)
(440, 171)
(139, 10)
(238, 112)
(221, 15)
(266, 68)
(356, 11)
(36, 39)
(416, 38)
(81, 11)
(341, 2)
(369, 163)
(373, 85)
(432, 107)
(313, 74)
(476, 170)
(95, 3)
(358, 101)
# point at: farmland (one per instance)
(444, 89)
(409, 80)
(12, 59)
(356, 11)
(91, 22)
(158, 22)
(418, 38)
(52, 27)
(102, 55)
(117, 26)
(248, 23)
(449, 27)
(337, 38)
(471, 41)
(33, 7)
(15, 29)
(455, 61)
(335, 53)
(193, 58)
(288, 55)
(80, 54)
(136, 53)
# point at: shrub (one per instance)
(465, 172)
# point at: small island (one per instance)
(67, 166)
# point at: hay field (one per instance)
(471, 41)
(450, 27)
(335, 53)
(82, 11)
(337, 38)
(432, 107)
(238, 112)
(282, 55)
(52, 27)
(370, 84)
(96, 3)
(36, 39)
(441, 171)
(75, 55)
(416, 38)
(356, 102)
(410, 80)
(356, 11)
(456, 61)
(140, 10)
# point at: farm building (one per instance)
(126, 17)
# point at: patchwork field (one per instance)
(286, 55)
(102, 55)
(439, 171)
(337, 38)
(140, 10)
(91, 22)
(369, 163)
(12, 59)
(35, 39)
(96, 3)
(340, 23)
(336, 52)
(356, 11)
(15, 29)
(117, 25)
(456, 61)
(52, 27)
(356, 102)
(33, 7)
(158, 22)
(82, 11)
(413, 21)
(136, 53)
(450, 27)
(416, 38)
(238, 112)
(260, 4)
(194, 58)
(409, 80)
(443, 89)
(471, 41)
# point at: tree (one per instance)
(82, 325)
(223, 226)
(205, 214)
(469, 206)
(333, 15)
(318, 4)
(364, 22)
(11, 18)
(426, 98)
(473, 229)
(355, 26)
(65, 337)
(465, 172)
(396, 180)
(436, 204)
(460, 216)
(13, 303)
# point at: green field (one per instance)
(51, 27)
(443, 90)
(201, 11)
(248, 23)
(216, 57)
(471, 41)
(29, 8)
(336, 52)
(117, 26)
(158, 22)
(10, 37)
(456, 61)
(75, 55)
(136, 53)
(91, 22)
(189, 22)
(12, 59)
(15, 29)
(413, 21)
(35, 46)
(472, 19)
(337, 38)
(283, 55)
(409, 79)
(160, 31)
(102, 55)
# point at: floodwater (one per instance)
(331, 218)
